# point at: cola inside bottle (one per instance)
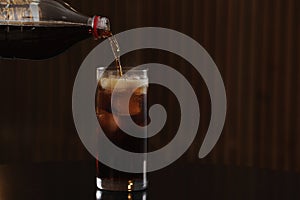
(40, 42)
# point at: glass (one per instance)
(108, 178)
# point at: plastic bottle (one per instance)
(40, 29)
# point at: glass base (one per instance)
(120, 185)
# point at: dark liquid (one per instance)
(138, 113)
(116, 51)
(42, 41)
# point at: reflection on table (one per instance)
(106, 195)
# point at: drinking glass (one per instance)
(112, 113)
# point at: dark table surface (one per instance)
(76, 180)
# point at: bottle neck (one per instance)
(100, 27)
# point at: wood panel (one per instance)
(255, 45)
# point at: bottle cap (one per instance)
(100, 23)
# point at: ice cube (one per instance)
(124, 89)
(120, 106)
(107, 122)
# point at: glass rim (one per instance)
(127, 68)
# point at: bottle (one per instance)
(40, 29)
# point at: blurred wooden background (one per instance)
(254, 43)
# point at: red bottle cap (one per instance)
(95, 30)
